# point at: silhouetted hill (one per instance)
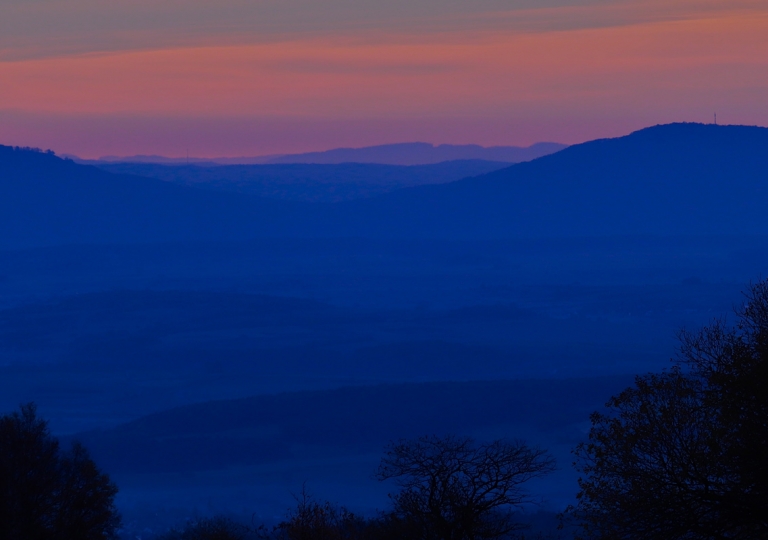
(665, 180)
(249, 455)
(353, 420)
(678, 179)
(419, 153)
(45, 200)
(308, 182)
(196, 337)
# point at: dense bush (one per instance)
(681, 455)
(215, 528)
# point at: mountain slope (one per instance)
(665, 180)
(45, 200)
(677, 179)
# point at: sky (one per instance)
(258, 77)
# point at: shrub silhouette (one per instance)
(215, 528)
(313, 520)
(454, 488)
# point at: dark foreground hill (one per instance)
(98, 359)
(353, 420)
(247, 457)
(678, 179)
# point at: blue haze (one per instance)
(217, 345)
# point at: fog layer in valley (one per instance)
(218, 336)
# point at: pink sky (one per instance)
(564, 73)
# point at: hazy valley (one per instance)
(218, 335)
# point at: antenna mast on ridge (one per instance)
(715, 118)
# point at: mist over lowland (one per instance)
(219, 334)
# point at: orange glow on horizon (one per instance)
(662, 70)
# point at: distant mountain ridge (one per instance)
(676, 179)
(423, 153)
(415, 153)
